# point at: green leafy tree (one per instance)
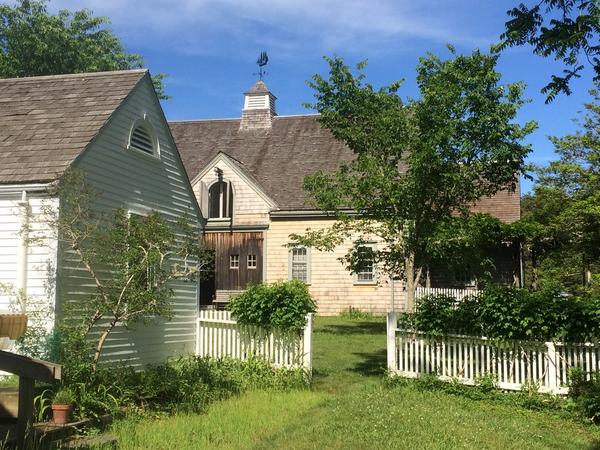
(466, 245)
(35, 42)
(538, 233)
(569, 190)
(568, 30)
(129, 259)
(417, 162)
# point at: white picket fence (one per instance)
(465, 358)
(458, 294)
(219, 336)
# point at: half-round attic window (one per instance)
(143, 138)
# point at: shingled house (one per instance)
(111, 126)
(247, 174)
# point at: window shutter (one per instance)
(203, 200)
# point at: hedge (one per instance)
(510, 313)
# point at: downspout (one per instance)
(22, 256)
(264, 257)
(393, 299)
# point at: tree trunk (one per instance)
(534, 271)
(412, 275)
(101, 343)
(587, 275)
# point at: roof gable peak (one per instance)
(241, 171)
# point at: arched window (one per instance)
(143, 138)
(220, 201)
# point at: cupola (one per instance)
(259, 107)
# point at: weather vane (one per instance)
(262, 61)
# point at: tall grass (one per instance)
(350, 407)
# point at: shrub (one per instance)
(282, 306)
(510, 313)
(484, 390)
(186, 384)
(487, 383)
(434, 313)
(429, 382)
(585, 394)
(93, 400)
(547, 314)
(189, 383)
(466, 316)
(443, 314)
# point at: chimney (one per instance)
(259, 108)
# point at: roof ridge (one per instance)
(285, 116)
(204, 120)
(75, 75)
(234, 159)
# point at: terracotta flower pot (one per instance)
(61, 414)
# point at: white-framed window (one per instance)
(367, 271)
(220, 200)
(299, 264)
(234, 261)
(252, 261)
(143, 139)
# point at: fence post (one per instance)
(392, 324)
(552, 372)
(307, 357)
(197, 335)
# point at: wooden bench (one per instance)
(29, 370)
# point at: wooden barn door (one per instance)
(247, 250)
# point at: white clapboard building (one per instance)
(109, 125)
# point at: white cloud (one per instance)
(288, 27)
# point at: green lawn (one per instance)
(350, 408)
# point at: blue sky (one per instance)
(209, 48)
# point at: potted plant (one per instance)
(62, 406)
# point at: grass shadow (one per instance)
(362, 327)
(371, 364)
(320, 374)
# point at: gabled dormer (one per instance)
(230, 196)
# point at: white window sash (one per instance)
(369, 274)
(296, 266)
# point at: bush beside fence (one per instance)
(219, 336)
(512, 363)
